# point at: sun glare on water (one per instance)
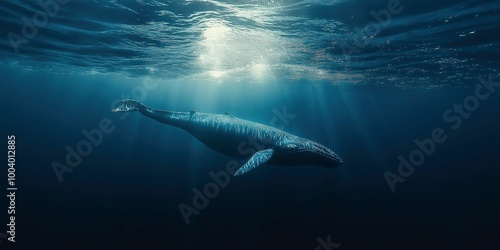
(225, 51)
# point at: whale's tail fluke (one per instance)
(127, 105)
(178, 119)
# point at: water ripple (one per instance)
(261, 40)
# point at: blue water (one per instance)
(400, 81)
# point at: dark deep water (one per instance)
(255, 60)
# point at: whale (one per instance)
(225, 133)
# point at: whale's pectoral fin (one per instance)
(256, 160)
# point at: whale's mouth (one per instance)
(329, 154)
(332, 159)
(332, 156)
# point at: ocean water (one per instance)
(406, 92)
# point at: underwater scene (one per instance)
(250, 124)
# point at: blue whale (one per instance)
(225, 133)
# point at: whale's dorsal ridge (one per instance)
(256, 160)
(229, 114)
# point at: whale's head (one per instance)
(127, 105)
(306, 152)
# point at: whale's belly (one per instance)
(234, 141)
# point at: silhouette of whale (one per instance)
(225, 132)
